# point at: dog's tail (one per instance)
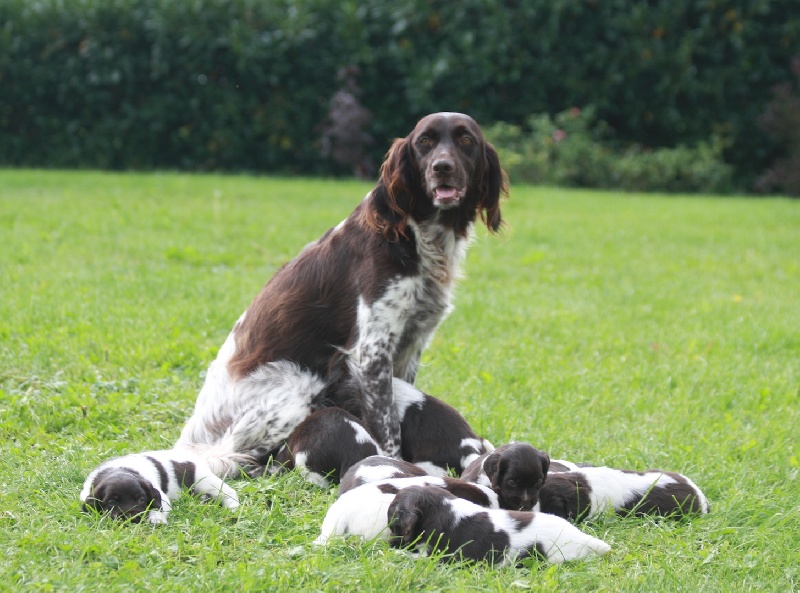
(222, 458)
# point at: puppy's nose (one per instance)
(443, 166)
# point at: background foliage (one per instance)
(245, 84)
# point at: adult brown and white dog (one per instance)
(356, 308)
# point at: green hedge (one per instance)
(574, 149)
(244, 84)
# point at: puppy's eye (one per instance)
(511, 483)
(140, 499)
(112, 502)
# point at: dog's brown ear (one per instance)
(92, 505)
(492, 465)
(392, 198)
(404, 515)
(545, 460)
(493, 184)
(155, 497)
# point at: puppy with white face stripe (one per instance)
(141, 486)
(515, 471)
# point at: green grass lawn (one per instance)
(629, 330)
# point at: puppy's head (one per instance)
(517, 472)
(122, 494)
(408, 513)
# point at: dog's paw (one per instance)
(230, 502)
(228, 497)
(157, 518)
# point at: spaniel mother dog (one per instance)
(355, 308)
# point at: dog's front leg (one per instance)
(380, 413)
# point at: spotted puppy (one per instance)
(362, 511)
(143, 484)
(378, 468)
(516, 472)
(325, 445)
(434, 435)
(590, 491)
(431, 519)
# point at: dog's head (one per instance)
(517, 472)
(445, 168)
(409, 512)
(122, 494)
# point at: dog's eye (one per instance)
(140, 499)
(113, 502)
(511, 483)
(425, 141)
(466, 140)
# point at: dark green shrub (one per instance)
(781, 121)
(573, 149)
(245, 84)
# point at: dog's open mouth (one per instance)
(446, 195)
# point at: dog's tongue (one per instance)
(445, 192)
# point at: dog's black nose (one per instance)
(443, 166)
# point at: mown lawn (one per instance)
(629, 330)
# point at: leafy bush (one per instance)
(245, 84)
(574, 149)
(781, 121)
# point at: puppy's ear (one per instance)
(493, 184)
(492, 465)
(95, 502)
(404, 515)
(392, 198)
(155, 497)
(545, 460)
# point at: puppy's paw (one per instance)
(157, 518)
(230, 503)
(229, 499)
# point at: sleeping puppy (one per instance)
(133, 486)
(434, 435)
(591, 491)
(362, 510)
(378, 468)
(325, 445)
(516, 472)
(431, 519)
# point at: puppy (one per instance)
(378, 468)
(591, 491)
(362, 510)
(432, 519)
(143, 484)
(516, 472)
(325, 445)
(434, 435)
